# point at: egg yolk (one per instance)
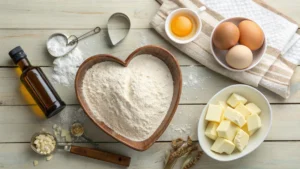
(181, 26)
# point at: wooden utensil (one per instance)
(156, 51)
(100, 155)
(84, 151)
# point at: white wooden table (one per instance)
(29, 23)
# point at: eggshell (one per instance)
(251, 35)
(226, 35)
(239, 57)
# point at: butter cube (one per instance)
(227, 130)
(243, 110)
(253, 108)
(245, 129)
(251, 132)
(211, 130)
(241, 139)
(224, 106)
(254, 123)
(234, 116)
(214, 113)
(222, 145)
(235, 99)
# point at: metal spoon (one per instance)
(77, 130)
(84, 151)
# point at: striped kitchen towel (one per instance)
(274, 72)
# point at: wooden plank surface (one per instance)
(33, 40)
(89, 13)
(18, 123)
(51, 14)
(270, 155)
(34, 44)
(199, 85)
(29, 23)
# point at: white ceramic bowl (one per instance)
(194, 14)
(219, 55)
(252, 95)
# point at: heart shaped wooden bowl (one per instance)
(156, 51)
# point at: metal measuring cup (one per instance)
(84, 151)
(77, 130)
(34, 148)
(71, 41)
(72, 47)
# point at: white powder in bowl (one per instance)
(57, 45)
(133, 100)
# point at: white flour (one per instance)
(58, 45)
(182, 129)
(194, 79)
(132, 101)
(65, 68)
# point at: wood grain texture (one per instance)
(101, 155)
(167, 58)
(73, 14)
(18, 123)
(34, 44)
(33, 41)
(270, 155)
(89, 13)
(29, 23)
(199, 85)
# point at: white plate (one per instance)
(252, 95)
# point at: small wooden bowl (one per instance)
(156, 51)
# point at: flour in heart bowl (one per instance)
(132, 100)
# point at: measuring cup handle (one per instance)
(201, 9)
(101, 155)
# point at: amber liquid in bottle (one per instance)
(37, 84)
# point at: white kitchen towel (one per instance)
(274, 72)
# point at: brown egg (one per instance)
(226, 35)
(252, 35)
(239, 57)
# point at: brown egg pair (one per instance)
(249, 36)
(247, 33)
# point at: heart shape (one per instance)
(118, 26)
(57, 44)
(158, 52)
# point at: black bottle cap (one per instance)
(17, 54)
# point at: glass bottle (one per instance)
(37, 84)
